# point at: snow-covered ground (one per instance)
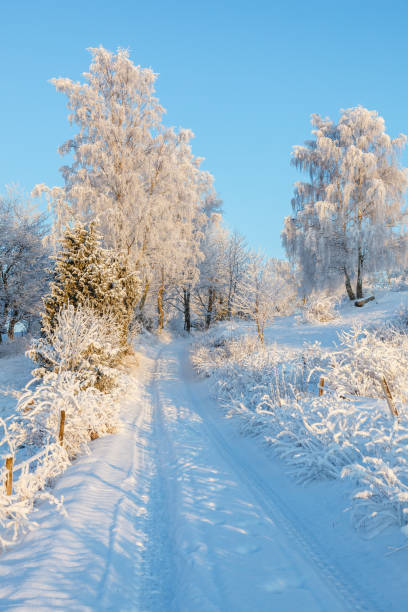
(180, 511)
(15, 373)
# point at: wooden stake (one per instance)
(61, 427)
(321, 385)
(389, 398)
(9, 477)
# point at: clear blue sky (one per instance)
(244, 76)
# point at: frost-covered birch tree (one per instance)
(236, 263)
(116, 158)
(211, 287)
(265, 291)
(347, 216)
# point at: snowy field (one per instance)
(185, 509)
(15, 372)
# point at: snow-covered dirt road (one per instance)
(230, 540)
(176, 513)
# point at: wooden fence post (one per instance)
(9, 477)
(61, 427)
(389, 398)
(321, 385)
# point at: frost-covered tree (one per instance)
(236, 262)
(87, 274)
(115, 160)
(266, 291)
(23, 261)
(346, 218)
(221, 272)
(213, 279)
(137, 179)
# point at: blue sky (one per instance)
(244, 76)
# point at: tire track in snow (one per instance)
(158, 571)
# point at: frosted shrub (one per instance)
(382, 496)
(215, 350)
(88, 411)
(83, 342)
(15, 509)
(244, 364)
(366, 356)
(319, 308)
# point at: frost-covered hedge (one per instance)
(348, 432)
(80, 355)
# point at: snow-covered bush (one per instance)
(364, 357)
(319, 308)
(82, 342)
(382, 496)
(82, 380)
(87, 412)
(244, 364)
(16, 509)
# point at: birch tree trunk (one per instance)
(144, 295)
(349, 288)
(359, 286)
(12, 324)
(160, 303)
(187, 310)
(211, 298)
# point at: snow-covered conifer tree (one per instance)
(87, 274)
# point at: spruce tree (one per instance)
(87, 274)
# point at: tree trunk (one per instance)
(3, 320)
(144, 295)
(187, 311)
(349, 289)
(211, 298)
(229, 310)
(259, 327)
(231, 295)
(160, 306)
(359, 286)
(12, 324)
(260, 330)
